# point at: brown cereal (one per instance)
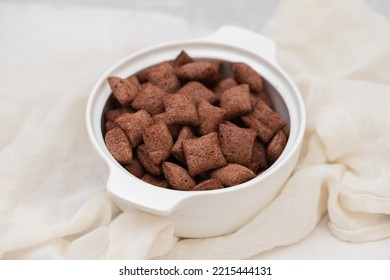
(174, 129)
(134, 125)
(180, 110)
(158, 142)
(177, 149)
(197, 92)
(112, 114)
(203, 154)
(177, 176)
(200, 71)
(259, 159)
(181, 59)
(264, 121)
(236, 143)
(146, 162)
(123, 90)
(209, 116)
(155, 180)
(233, 174)
(276, 146)
(118, 145)
(224, 85)
(164, 77)
(193, 125)
(236, 101)
(135, 168)
(210, 184)
(150, 99)
(244, 74)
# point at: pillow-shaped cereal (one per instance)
(236, 143)
(135, 168)
(276, 146)
(163, 76)
(118, 145)
(181, 59)
(244, 74)
(123, 90)
(233, 174)
(146, 162)
(158, 142)
(177, 176)
(224, 85)
(155, 180)
(210, 184)
(259, 159)
(197, 92)
(180, 109)
(203, 154)
(200, 71)
(236, 101)
(150, 98)
(209, 116)
(264, 121)
(134, 125)
(177, 149)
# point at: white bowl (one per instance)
(214, 212)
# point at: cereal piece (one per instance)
(158, 142)
(112, 114)
(177, 149)
(264, 121)
(174, 129)
(144, 159)
(164, 77)
(259, 157)
(286, 131)
(263, 95)
(203, 154)
(210, 184)
(244, 74)
(155, 180)
(123, 90)
(236, 101)
(133, 79)
(118, 145)
(177, 176)
(134, 125)
(276, 146)
(150, 99)
(197, 92)
(200, 71)
(109, 125)
(236, 143)
(233, 174)
(180, 110)
(217, 65)
(209, 116)
(181, 59)
(135, 168)
(224, 85)
(254, 97)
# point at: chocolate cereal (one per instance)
(193, 125)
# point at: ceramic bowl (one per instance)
(214, 212)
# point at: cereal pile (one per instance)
(182, 125)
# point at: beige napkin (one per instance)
(52, 199)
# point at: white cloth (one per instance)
(52, 198)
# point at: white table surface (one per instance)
(197, 21)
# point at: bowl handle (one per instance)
(130, 190)
(245, 39)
